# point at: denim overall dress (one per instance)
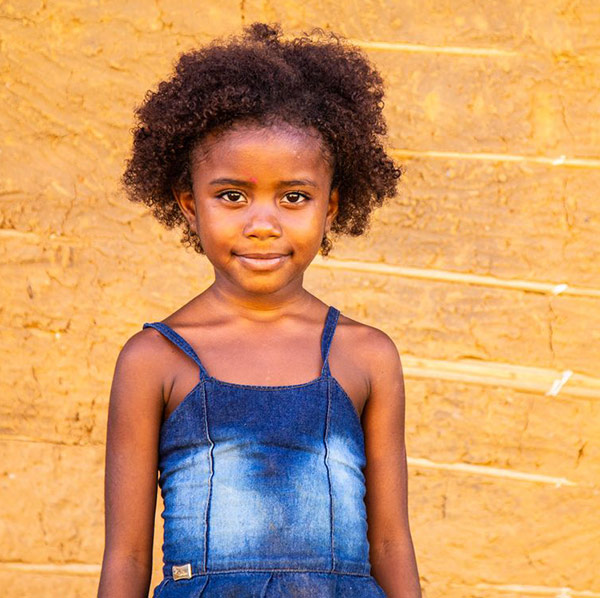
(263, 489)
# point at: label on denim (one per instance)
(182, 571)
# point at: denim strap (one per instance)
(180, 342)
(328, 331)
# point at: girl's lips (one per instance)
(262, 255)
(265, 261)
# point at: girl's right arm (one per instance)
(134, 417)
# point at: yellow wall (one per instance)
(494, 109)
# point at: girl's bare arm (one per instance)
(392, 555)
(134, 416)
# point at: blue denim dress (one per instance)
(263, 489)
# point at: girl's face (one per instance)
(261, 203)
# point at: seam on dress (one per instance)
(331, 514)
(272, 569)
(263, 387)
(161, 587)
(263, 592)
(211, 468)
(203, 587)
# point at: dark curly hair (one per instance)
(325, 84)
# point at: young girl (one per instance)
(276, 423)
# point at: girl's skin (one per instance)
(255, 324)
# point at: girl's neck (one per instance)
(259, 307)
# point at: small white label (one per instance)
(182, 571)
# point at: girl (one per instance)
(276, 423)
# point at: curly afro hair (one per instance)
(322, 83)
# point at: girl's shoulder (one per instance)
(371, 350)
(369, 341)
(149, 354)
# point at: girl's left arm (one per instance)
(392, 555)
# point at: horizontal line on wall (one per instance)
(557, 592)
(546, 381)
(53, 442)
(546, 288)
(75, 569)
(11, 233)
(422, 48)
(561, 160)
(487, 470)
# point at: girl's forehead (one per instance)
(255, 145)
(257, 136)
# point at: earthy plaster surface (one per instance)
(493, 109)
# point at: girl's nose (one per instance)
(262, 222)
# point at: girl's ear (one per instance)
(332, 208)
(185, 200)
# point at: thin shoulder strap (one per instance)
(180, 342)
(327, 336)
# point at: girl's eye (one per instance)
(297, 197)
(234, 196)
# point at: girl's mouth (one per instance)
(262, 261)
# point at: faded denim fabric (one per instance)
(263, 489)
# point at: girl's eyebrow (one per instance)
(241, 183)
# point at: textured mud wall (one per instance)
(485, 270)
